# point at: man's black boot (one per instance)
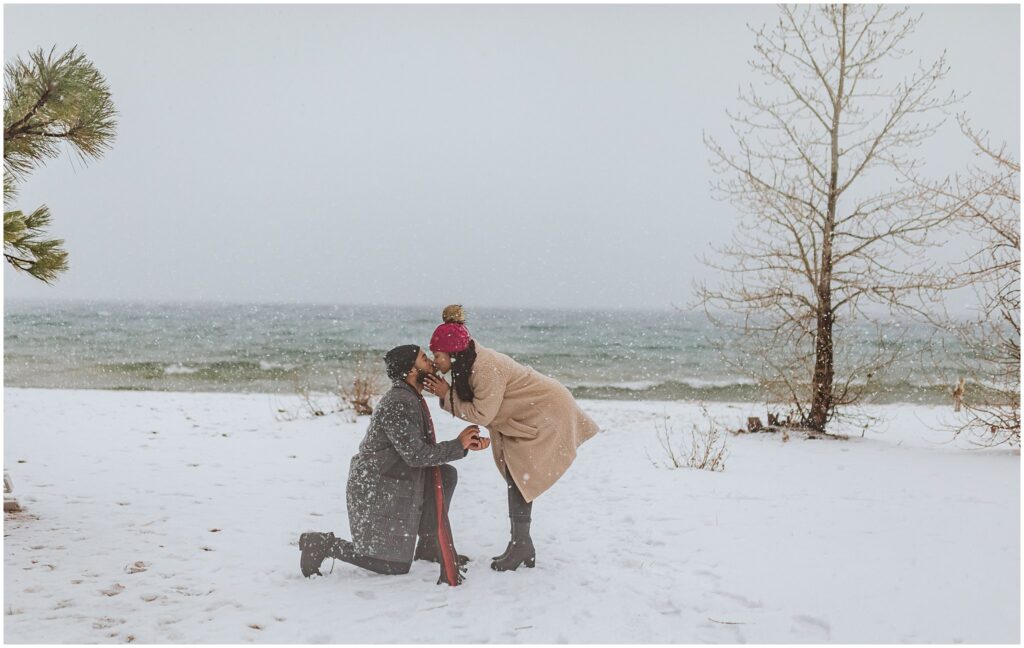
(314, 547)
(427, 548)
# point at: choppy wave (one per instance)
(179, 369)
(636, 385)
(266, 376)
(645, 385)
(272, 366)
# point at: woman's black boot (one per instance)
(504, 554)
(520, 550)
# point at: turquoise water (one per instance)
(650, 355)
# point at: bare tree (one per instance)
(985, 205)
(829, 223)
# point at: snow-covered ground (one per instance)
(896, 537)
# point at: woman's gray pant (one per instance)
(518, 508)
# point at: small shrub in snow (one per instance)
(308, 402)
(309, 405)
(702, 447)
(359, 395)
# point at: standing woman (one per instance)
(535, 423)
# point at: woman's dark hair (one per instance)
(462, 367)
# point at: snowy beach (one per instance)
(900, 536)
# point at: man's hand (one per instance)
(436, 386)
(471, 440)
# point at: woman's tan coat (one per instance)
(535, 423)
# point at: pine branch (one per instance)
(12, 130)
(52, 99)
(27, 247)
(49, 100)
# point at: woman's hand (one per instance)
(436, 386)
(471, 440)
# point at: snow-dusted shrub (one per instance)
(309, 404)
(359, 396)
(308, 401)
(703, 446)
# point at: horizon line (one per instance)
(238, 302)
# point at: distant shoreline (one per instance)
(284, 348)
(582, 394)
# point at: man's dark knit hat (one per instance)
(400, 360)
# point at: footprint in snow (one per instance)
(706, 574)
(742, 600)
(721, 632)
(113, 590)
(136, 567)
(805, 623)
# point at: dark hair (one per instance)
(462, 367)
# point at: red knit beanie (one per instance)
(452, 336)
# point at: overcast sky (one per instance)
(546, 156)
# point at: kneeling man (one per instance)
(392, 482)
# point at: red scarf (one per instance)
(451, 573)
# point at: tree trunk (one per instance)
(824, 349)
(824, 371)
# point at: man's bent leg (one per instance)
(427, 547)
(344, 551)
(315, 547)
(377, 565)
(428, 515)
